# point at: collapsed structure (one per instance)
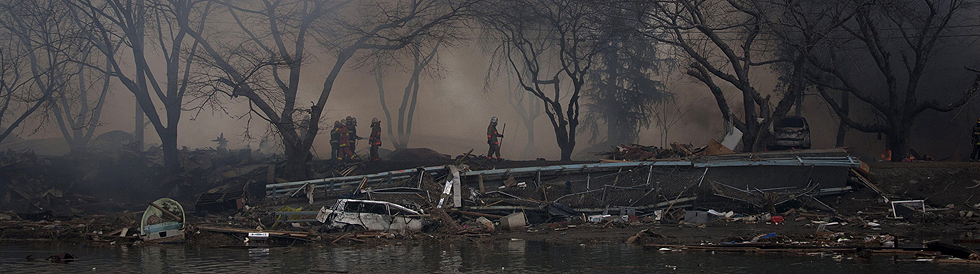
(643, 188)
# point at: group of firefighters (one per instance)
(343, 139)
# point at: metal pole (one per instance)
(538, 181)
(588, 179)
(649, 173)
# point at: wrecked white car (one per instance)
(791, 132)
(366, 215)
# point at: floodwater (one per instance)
(514, 256)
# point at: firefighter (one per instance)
(492, 139)
(375, 139)
(344, 141)
(351, 124)
(335, 140)
(975, 156)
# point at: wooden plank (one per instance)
(246, 231)
(457, 188)
(868, 183)
(478, 214)
(360, 186)
(171, 214)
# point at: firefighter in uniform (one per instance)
(335, 140)
(375, 139)
(351, 124)
(492, 139)
(975, 156)
(344, 140)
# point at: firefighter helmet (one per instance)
(375, 120)
(493, 120)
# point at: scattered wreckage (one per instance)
(531, 197)
(757, 179)
(365, 215)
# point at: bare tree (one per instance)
(147, 29)
(528, 110)
(899, 39)
(20, 97)
(726, 40)
(76, 110)
(533, 33)
(410, 96)
(61, 52)
(274, 36)
(48, 46)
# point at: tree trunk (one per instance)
(138, 126)
(898, 143)
(399, 145)
(296, 160)
(845, 105)
(529, 149)
(618, 133)
(749, 136)
(171, 158)
(566, 152)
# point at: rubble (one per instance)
(635, 152)
(824, 202)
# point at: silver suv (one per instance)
(791, 132)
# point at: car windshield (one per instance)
(351, 206)
(376, 208)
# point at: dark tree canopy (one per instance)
(622, 89)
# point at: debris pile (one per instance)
(799, 202)
(635, 152)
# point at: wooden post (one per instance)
(545, 193)
(457, 187)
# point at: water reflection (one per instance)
(509, 256)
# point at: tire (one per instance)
(353, 228)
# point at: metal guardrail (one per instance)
(275, 190)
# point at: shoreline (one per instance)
(862, 221)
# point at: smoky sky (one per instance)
(454, 108)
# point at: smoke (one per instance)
(454, 110)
